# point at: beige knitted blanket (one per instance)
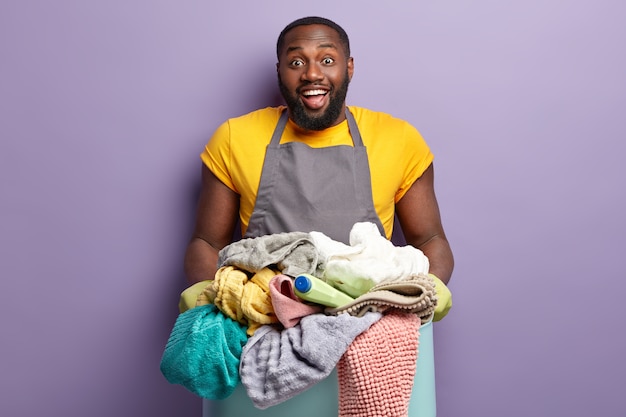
(376, 372)
(415, 294)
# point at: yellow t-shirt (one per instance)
(397, 154)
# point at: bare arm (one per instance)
(418, 213)
(216, 218)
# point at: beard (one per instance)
(303, 119)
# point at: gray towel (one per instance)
(293, 253)
(277, 365)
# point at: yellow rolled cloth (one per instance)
(228, 285)
(256, 302)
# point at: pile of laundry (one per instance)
(247, 325)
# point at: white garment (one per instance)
(369, 260)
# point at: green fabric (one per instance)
(444, 299)
(189, 297)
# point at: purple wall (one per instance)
(105, 106)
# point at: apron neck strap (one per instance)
(354, 129)
(284, 118)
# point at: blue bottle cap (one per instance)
(302, 283)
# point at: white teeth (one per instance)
(313, 92)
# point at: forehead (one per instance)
(311, 36)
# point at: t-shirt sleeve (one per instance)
(217, 155)
(417, 158)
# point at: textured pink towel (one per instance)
(376, 372)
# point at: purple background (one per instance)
(105, 107)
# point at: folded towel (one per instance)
(293, 253)
(415, 294)
(376, 373)
(202, 353)
(369, 260)
(288, 307)
(277, 365)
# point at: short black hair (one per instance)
(314, 20)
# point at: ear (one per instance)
(277, 66)
(350, 67)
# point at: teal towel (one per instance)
(203, 352)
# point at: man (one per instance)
(318, 166)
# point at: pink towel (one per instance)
(289, 309)
(376, 373)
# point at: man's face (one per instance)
(313, 76)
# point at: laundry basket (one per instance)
(321, 399)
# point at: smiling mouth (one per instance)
(314, 99)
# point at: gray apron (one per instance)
(305, 189)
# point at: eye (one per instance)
(296, 63)
(327, 61)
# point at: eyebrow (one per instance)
(320, 46)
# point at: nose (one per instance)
(312, 73)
